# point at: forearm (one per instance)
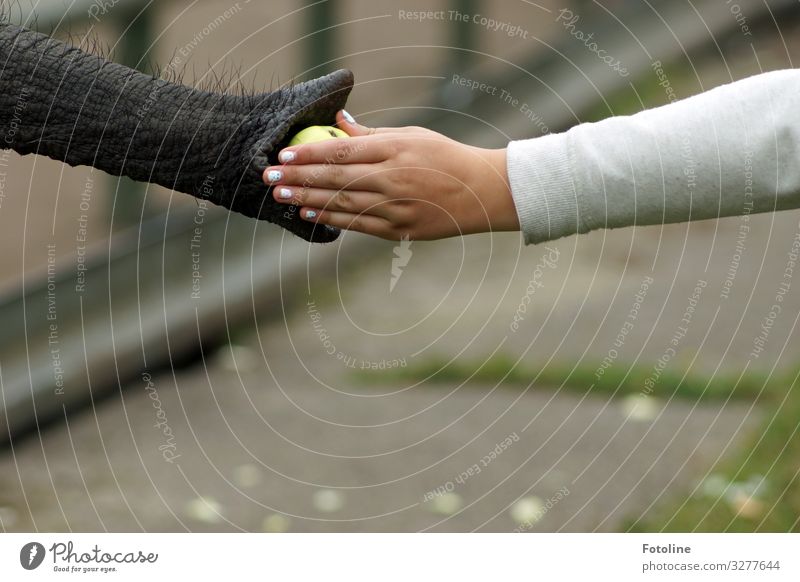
(726, 152)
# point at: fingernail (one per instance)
(274, 175)
(285, 193)
(349, 118)
(286, 157)
(311, 214)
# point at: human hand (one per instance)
(406, 182)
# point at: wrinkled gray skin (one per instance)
(59, 101)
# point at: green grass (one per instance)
(619, 380)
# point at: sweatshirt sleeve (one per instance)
(729, 151)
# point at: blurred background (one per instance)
(157, 379)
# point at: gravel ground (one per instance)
(244, 457)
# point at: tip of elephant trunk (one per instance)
(314, 102)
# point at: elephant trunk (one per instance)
(75, 107)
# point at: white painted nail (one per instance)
(348, 117)
(285, 193)
(286, 157)
(311, 214)
(274, 175)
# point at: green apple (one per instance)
(317, 133)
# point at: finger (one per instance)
(355, 150)
(351, 201)
(325, 176)
(349, 125)
(365, 223)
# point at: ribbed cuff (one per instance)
(543, 188)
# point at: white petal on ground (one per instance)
(756, 485)
(714, 485)
(204, 509)
(640, 408)
(328, 500)
(276, 523)
(445, 504)
(527, 510)
(247, 475)
(746, 505)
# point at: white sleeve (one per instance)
(728, 151)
